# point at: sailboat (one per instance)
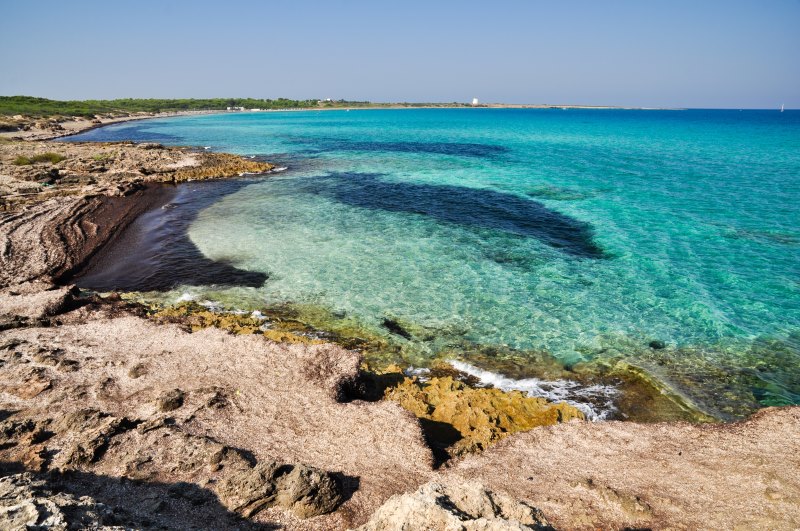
(782, 107)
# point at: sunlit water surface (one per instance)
(586, 234)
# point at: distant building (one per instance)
(474, 101)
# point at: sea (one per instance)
(502, 241)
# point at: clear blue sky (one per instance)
(699, 53)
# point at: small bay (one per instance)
(669, 240)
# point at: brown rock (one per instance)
(305, 490)
(28, 503)
(481, 416)
(170, 400)
(464, 507)
(92, 432)
(138, 370)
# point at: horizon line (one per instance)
(465, 104)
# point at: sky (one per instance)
(646, 53)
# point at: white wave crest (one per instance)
(595, 401)
(422, 374)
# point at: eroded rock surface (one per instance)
(305, 490)
(480, 417)
(55, 215)
(449, 507)
(84, 168)
(28, 503)
(256, 425)
(617, 475)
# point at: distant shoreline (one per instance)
(44, 129)
(41, 128)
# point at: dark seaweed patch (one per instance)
(461, 205)
(459, 149)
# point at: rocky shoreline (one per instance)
(29, 128)
(115, 416)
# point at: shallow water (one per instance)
(585, 234)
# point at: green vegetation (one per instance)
(42, 107)
(43, 157)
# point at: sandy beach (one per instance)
(129, 417)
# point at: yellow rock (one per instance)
(220, 165)
(197, 317)
(481, 416)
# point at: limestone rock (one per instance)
(481, 416)
(25, 302)
(466, 507)
(170, 400)
(27, 503)
(93, 431)
(308, 491)
(305, 490)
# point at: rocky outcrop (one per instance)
(28, 503)
(38, 301)
(255, 424)
(260, 430)
(465, 507)
(618, 475)
(304, 490)
(81, 438)
(55, 215)
(48, 169)
(470, 419)
(48, 240)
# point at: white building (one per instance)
(474, 101)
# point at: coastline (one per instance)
(44, 129)
(49, 129)
(61, 344)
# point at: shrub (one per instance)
(43, 157)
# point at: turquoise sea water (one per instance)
(587, 234)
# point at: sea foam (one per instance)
(595, 401)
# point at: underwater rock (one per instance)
(198, 317)
(220, 165)
(657, 344)
(395, 327)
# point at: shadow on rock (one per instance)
(79, 500)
